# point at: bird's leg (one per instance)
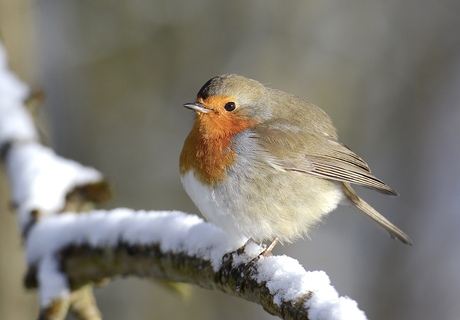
(268, 250)
(264, 253)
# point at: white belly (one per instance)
(210, 204)
(241, 208)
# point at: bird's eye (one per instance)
(230, 106)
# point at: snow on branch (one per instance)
(43, 184)
(179, 247)
(15, 122)
(68, 252)
(40, 180)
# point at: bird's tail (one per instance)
(376, 217)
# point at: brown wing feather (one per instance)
(318, 154)
(342, 164)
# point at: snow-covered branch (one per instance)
(179, 247)
(43, 184)
(68, 252)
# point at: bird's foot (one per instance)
(268, 250)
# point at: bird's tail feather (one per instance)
(376, 217)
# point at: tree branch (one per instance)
(177, 247)
(83, 264)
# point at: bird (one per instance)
(267, 166)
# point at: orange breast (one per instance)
(208, 148)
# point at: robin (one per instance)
(266, 165)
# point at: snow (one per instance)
(179, 232)
(175, 231)
(40, 179)
(287, 280)
(54, 281)
(15, 122)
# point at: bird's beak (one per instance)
(198, 107)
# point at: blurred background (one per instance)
(116, 73)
